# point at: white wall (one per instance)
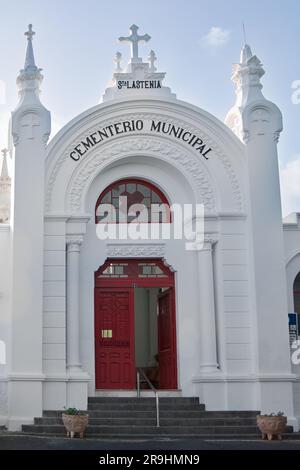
(5, 321)
(54, 314)
(231, 270)
(221, 182)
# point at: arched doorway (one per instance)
(135, 323)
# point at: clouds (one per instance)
(290, 186)
(216, 37)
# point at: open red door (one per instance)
(114, 338)
(167, 340)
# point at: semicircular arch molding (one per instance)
(217, 182)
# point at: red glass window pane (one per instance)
(136, 192)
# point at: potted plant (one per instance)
(272, 426)
(75, 421)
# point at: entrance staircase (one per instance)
(135, 418)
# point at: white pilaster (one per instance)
(77, 379)
(208, 343)
(73, 289)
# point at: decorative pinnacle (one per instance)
(152, 58)
(4, 171)
(30, 33)
(118, 59)
(29, 59)
(30, 71)
(246, 54)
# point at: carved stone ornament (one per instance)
(160, 147)
(74, 242)
(126, 250)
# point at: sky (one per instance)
(195, 41)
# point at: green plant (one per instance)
(74, 411)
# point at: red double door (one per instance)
(115, 338)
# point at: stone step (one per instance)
(145, 406)
(147, 430)
(169, 400)
(176, 437)
(141, 421)
(197, 413)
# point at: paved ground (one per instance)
(10, 441)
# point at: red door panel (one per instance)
(114, 338)
(167, 341)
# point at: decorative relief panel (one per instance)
(126, 250)
(152, 146)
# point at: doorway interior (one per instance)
(135, 324)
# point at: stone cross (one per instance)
(118, 58)
(152, 58)
(134, 40)
(29, 33)
(29, 122)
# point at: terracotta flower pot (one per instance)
(75, 424)
(271, 426)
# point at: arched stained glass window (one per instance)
(132, 200)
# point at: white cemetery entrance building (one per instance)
(80, 314)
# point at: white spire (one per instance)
(5, 185)
(246, 54)
(29, 59)
(246, 76)
(30, 77)
(4, 170)
(30, 118)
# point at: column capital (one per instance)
(210, 239)
(74, 242)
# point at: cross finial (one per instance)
(134, 40)
(4, 152)
(118, 58)
(152, 58)
(30, 33)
